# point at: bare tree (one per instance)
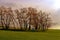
(6, 17)
(2, 9)
(26, 17)
(19, 18)
(33, 18)
(45, 21)
(9, 17)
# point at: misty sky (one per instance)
(47, 5)
(23, 3)
(43, 4)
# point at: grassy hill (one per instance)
(18, 35)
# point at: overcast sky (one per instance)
(44, 3)
(23, 3)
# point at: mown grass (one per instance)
(19, 35)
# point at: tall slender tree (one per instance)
(45, 21)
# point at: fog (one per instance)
(51, 6)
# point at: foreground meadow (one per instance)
(18, 35)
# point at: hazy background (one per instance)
(52, 6)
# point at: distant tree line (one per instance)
(27, 19)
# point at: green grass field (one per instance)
(16, 35)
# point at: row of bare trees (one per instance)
(26, 18)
